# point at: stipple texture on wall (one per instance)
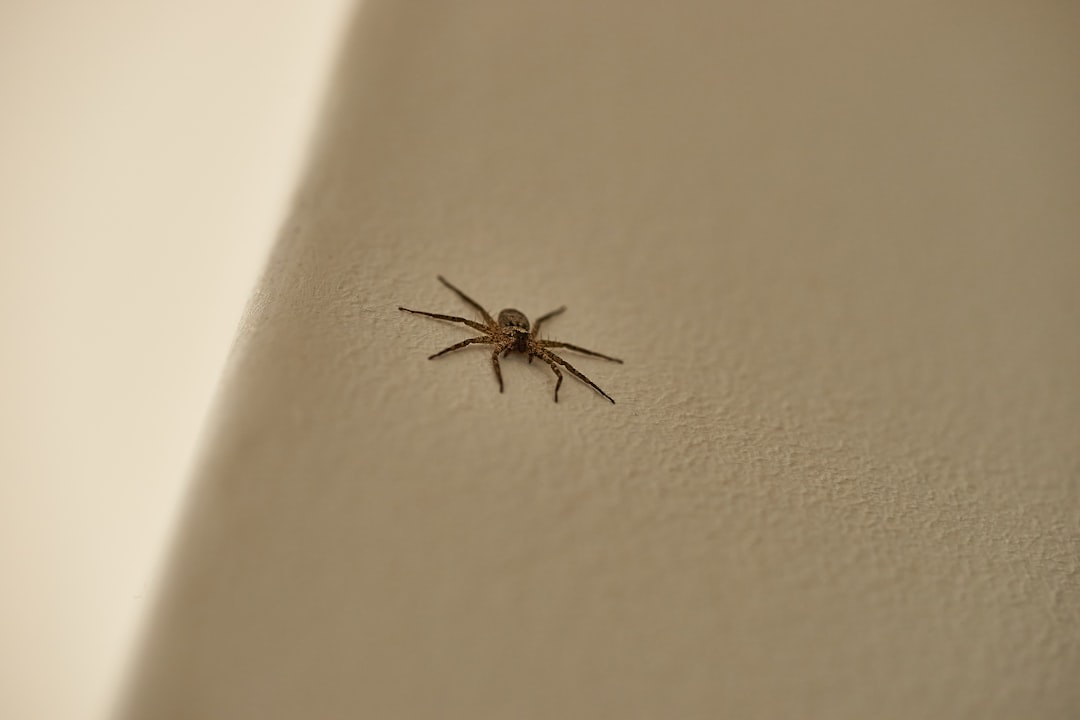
(837, 248)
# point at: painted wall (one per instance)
(147, 154)
(836, 246)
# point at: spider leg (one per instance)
(552, 357)
(495, 364)
(575, 348)
(554, 369)
(463, 343)
(536, 327)
(471, 323)
(486, 315)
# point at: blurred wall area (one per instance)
(149, 153)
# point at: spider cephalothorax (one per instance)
(512, 333)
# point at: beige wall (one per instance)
(837, 246)
(147, 151)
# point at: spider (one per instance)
(511, 333)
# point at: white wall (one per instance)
(147, 155)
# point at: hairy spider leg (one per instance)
(464, 343)
(495, 364)
(575, 348)
(471, 323)
(550, 356)
(536, 328)
(554, 369)
(535, 332)
(487, 316)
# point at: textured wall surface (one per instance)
(837, 247)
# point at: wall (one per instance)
(836, 246)
(148, 152)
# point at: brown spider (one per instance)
(512, 334)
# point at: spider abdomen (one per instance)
(513, 318)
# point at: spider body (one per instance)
(517, 326)
(513, 333)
